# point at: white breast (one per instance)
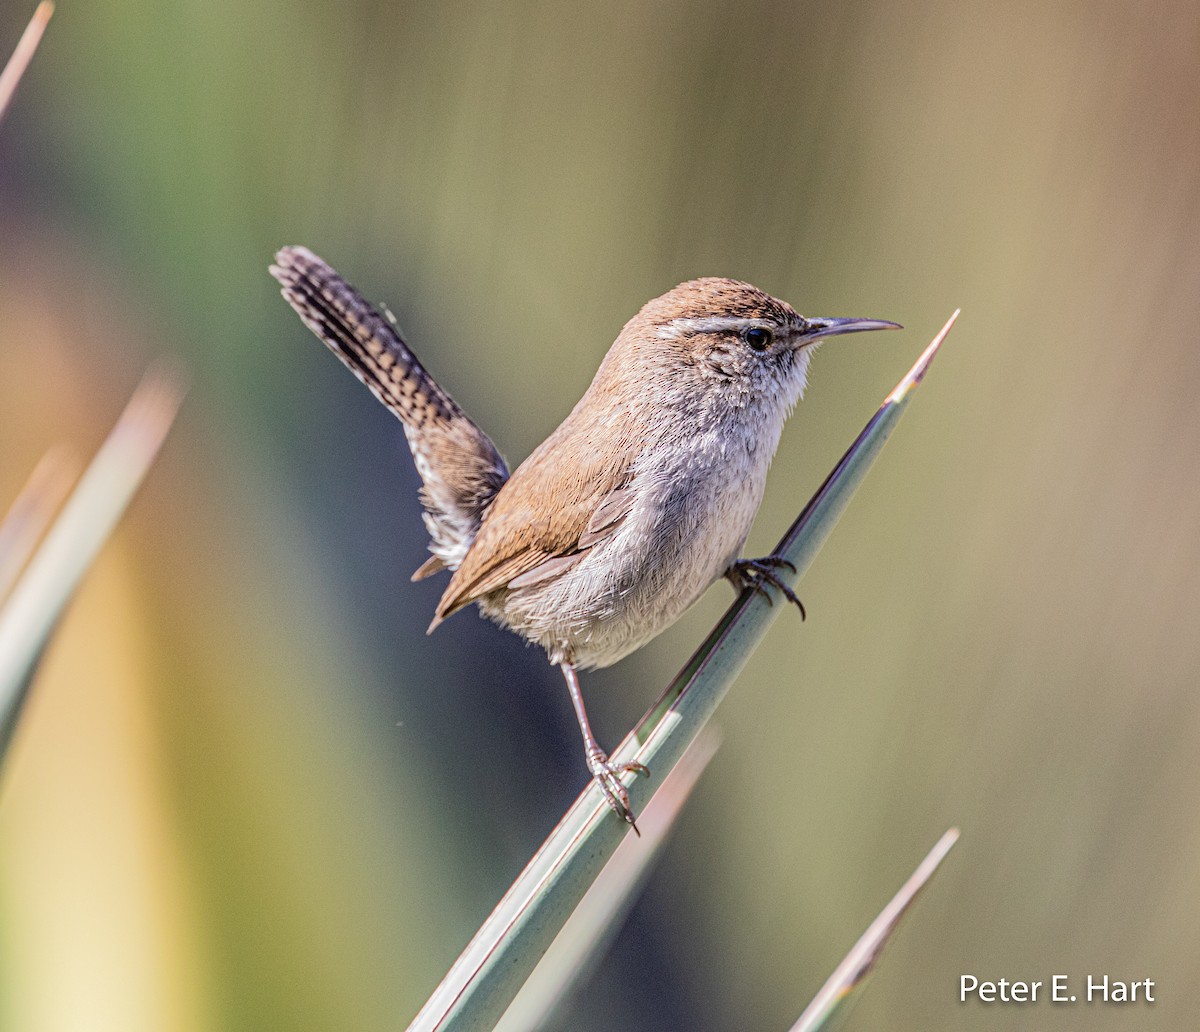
(696, 499)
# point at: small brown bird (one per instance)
(625, 514)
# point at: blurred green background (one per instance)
(251, 794)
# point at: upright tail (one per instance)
(460, 467)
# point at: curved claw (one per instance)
(606, 775)
(755, 573)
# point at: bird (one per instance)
(641, 498)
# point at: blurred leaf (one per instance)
(860, 961)
(491, 970)
(85, 523)
(26, 45)
(595, 922)
(30, 514)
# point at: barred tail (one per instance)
(460, 467)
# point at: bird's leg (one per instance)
(756, 573)
(605, 773)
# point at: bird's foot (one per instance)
(607, 776)
(757, 573)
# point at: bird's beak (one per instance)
(816, 329)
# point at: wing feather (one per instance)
(520, 544)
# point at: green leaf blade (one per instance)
(86, 521)
(26, 47)
(861, 960)
(30, 515)
(592, 925)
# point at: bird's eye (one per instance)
(757, 337)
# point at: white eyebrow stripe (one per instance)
(713, 324)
